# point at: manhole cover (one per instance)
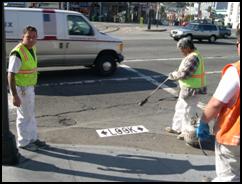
(67, 122)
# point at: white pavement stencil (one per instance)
(121, 131)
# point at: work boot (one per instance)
(170, 130)
(40, 144)
(181, 136)
(30, 147)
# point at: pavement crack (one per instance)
(68, 112)
(118, 105)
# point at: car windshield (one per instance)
(189, 26)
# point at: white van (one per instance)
(65, 38)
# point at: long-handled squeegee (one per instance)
(146, 99)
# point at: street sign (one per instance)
(121, 131)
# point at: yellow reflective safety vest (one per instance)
(27, 75)
(198, 78)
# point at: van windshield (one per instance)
(78, 26)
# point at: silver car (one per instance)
(198, 31)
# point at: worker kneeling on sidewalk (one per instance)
(192, 82)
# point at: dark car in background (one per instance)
(224, 32)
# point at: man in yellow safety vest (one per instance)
(22, 77)
(192, 81)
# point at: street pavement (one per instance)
(85, 163)
(90, 163)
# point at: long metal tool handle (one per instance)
(200, 145)
(158, 87)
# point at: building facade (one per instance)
(233, 14)
(100, 11)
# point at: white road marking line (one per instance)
(109, 80)
(150, 79)
(161, 59)
(172, 91)
(174, 59)
(140, 75)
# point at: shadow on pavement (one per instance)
(123, 163)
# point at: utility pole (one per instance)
(190, 16)
(149, 17)
(128, 12)
(61, 5)
(157, 13)
(68, 5)
(10, 155)
(199, 10)
(100, 11)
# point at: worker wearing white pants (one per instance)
(22, 77)
(26, 122)
(227, 168)
(185, 110)
(192, 81)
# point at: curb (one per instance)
(156, 30)
(112, 30)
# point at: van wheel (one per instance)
(212, 39)
(105, 65)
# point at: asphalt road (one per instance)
(72, 103)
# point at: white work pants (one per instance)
(26, 122)
(227, 159)
(185, 110)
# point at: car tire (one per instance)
(212, 39)
(105, 65)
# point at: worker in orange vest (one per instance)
(225, 106)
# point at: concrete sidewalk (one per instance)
(82, 163)
(111, 27)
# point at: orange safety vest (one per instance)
(227, 129)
